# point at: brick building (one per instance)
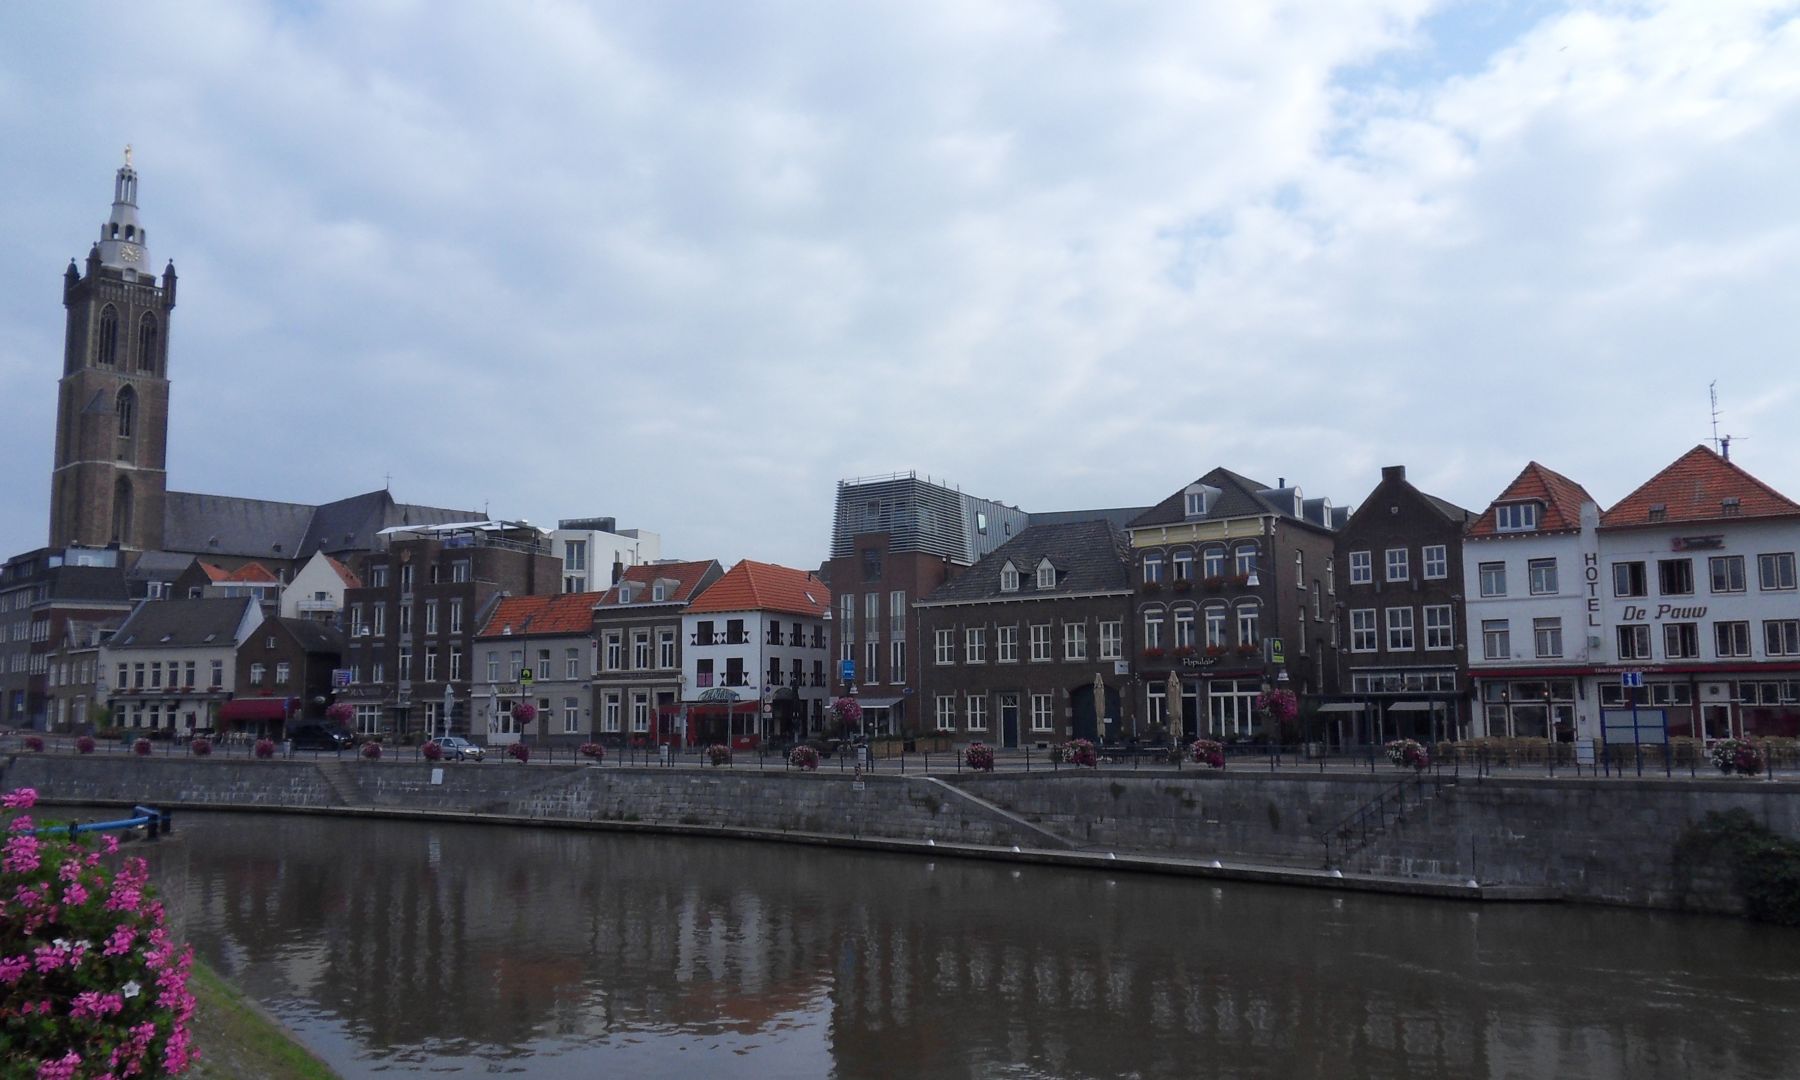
(41, 592)
(638, 673)
(283, 676)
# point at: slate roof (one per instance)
(263, 528)
(760, 586)
(182, 622)
(1239, 496)
(1450, 512)
(1694, 488)
(1089, 556)
(686, 575)
(101, 584)
(311, 635)
(564, 613)
(1120, 516)
(1560, 497)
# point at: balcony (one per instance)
(316, 607)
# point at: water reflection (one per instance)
(396, 946)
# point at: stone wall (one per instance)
(121, 778)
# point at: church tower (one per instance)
(112, 408)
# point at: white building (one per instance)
(173, 661)
(754, 665)
(317, 590)
(536, 649)
(594, 551)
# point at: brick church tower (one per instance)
(112, 409)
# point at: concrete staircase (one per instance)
(337, 780)
(1368, 823)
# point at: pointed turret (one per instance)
(122, 238)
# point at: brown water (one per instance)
(402, 947)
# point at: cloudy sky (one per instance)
(690, 264)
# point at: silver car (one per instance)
(457, 748)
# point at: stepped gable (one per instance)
(1560, 497)
(1697, 487)
(759, 586)
(563, 613)
(1089, 556)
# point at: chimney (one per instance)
(1393, 472)
(1280, 482)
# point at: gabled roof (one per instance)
(760, 586)
(1089, 556)
(162, 624)
(518, 616)
(253, 573)
(344, 573)
(311, 635)
(1396, 475)
(1694, 488)
(214, 574)
(1237, 497)
(262, 528)
(1560, 497)
(687, 577)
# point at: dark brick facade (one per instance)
(290, 659)
(875, 570)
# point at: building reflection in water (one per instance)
(397, 944)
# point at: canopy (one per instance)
(269, 708)
(1411, 706)
(878, 702)
(1343, 706)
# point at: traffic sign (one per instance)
(847, 671)
(1631, 680)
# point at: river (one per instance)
(397, 946)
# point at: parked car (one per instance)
(457, 748)
(320, 737)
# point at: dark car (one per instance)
(320, 737)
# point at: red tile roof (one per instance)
(759, 586)
(213, 573)
(249, 574)
(1695, 488)
(565, 613)
(1559, 497)
(686, 576)
(348, 575)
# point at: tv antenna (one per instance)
(1721, 443)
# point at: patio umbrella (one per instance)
(1175, 731)
(1099, 707)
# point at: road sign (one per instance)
(1276, 653)
(341, 676)
(1631, 680)
(847, 671)
(525, 677)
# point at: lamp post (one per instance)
(1549, 729)
(449, 707)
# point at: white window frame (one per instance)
(975, 645)
(1006, 644)
(1399, 564)
(1043, 713)
(1041, 650)
(1400, 629)
(1112, 643)
(944, 647)
(1364, 637)
(1436, 558)
(1075, 640)
(1491, 576)
(1362, 567)
(977, 704)
(1440, 627)
(946, 712)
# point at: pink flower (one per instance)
(63, 1068)
(12, 968)
(21, 854)
(120, 942)
(21, 799)
(109, 844)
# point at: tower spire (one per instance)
(122, 238)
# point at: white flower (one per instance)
(130, 989)
(61, 944)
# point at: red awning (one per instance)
(707, 708)
(254, 709)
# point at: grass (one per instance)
(237, 1039)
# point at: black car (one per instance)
(320, 737)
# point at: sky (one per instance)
(690, 264)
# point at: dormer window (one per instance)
(1659, 511)
(1046, 575)
(1516, 517)
(1009, 578)
(1195, 503)
(659, 592)
(624, 594)
(1730, 506)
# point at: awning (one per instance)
(1343, 706)
(700, 709)
(878, 702)
(1411, 706)
(254, 709)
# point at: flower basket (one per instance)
(719, 753)
(803, 757)
(1079, 752)
(141, 748)
(34, 744)
(1154, 652)
(265, 748)
(340, 713)
(1183, 585)
(848, 712)
(1248, 649)
(371, 751)
(85, 744)
(980, 757)
(1280, 705)
(1215, 651)
(1184, 650)
(200, 747)
(593, 751)
(1208, 752)
(1213, 583)
(89, 951)
(519, 752)
(431, 751)
(524, 712)
(1153, 586)
(1736, 755)
(1408, 754)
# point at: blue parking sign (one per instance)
(847, 671)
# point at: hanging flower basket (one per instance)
(847, 711)
(980, 757)
(34, 744)
(265, 748)
(593, 751)
(200, 747)
(141, 748)
(718, 754)
(1079, 752)
(524, 712)
(1408, 754)
(1208, 752)
(85, 744)
(1281, 705)
(371, 751)
(340, 713)
(803, 757)
(519, 752)
(432, 751)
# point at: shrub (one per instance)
(200, 747)
(593, 751)
(718, 754)
(141, 748)
(803, 757)
(371, 751)
(1078, 752)
(1736, 755)
(265, 748)
(1208, 752)
(85, 744)
(341, 712)
(519, 752)
(1408, 754)
(1764, 865)
(979, 756)
(96, 986)
(34, 744)
(432, 751)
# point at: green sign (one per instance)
(525, 677)
(1276, 656)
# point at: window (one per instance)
(456, 658)
(1775, 571)
(431, 656)
(1216, 618)
(1440, 632)
(1153, 568)
(218, 674)
(1111, 645)
(975, 644)
(1318, 605)
(897, 612)
(1397, 569)
(543, 665)
(403, 669)
(1046, 575)
(703, 672)
(108, 337)
(406, 578)
(640, 650)
(1496, 639)
(575, 555)
(1629, 579)
(1331, 577)
(1732, 638)
(1249, 625)
(378, 576)
(640, 711)
(571, 663)
(977, 712)
(615, 650)
(1493, 579)
(609, 712)
(1212, 562)
(256, 674)
(1246, 560)
(1362, 567)
(1634, 642)
(1542, 574)
(571, 716)
(573, 583)
(1042, 714)
(1009, 578)
(1153, 629)
(665, 648)
(1681, 640)
(1727, 572)
(456, 616)
(1400, 629)
(1075, 641)
(459, 570)
(431, 622)
(1437, 562)
(897, 655)
(1675, 577)
(1194, 504)
(1362, 630)
(127, 412)
(1300, 571)
(515, 664)
(1547, 635)
(946, 712)
(847, 616)
(1184, 628)
(378, 625)
(1183, 565)
(405, 612)
(1040, 642)
(1516, 517)
(1781, 637)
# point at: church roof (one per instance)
(263, 528)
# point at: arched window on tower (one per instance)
(123, 511)
(109, 336)
(147, 342)
(127, 412)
